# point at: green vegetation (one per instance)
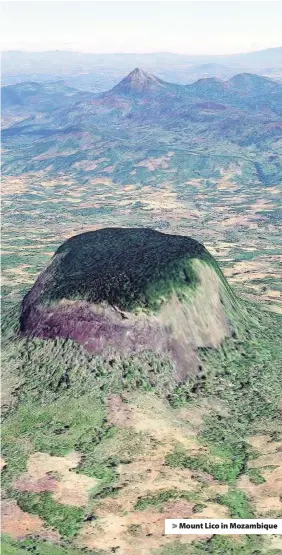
(223, 471)
(38, 547)
(158, 499)
(56, 427)
(217, 545)
(174, 548)
(134, 529)
(199, 507)
(238, 504)
(244, 376)
(56, 419)
(222, 545)
(102, 457)
(64, 518)
(255, 476)
(156, 265)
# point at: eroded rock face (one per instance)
(120, 291)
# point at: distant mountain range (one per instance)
(99, 72)
(50, 125)
(243, 90)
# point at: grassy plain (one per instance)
(237, 222)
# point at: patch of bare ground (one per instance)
(261, 268)
(260, 204)
(132, 534)
(135, 531)
(89, 165)
(101, 181)
(118, 411)
(227, 179)
(129, 187)
(274, 190)
(153, 415)
(195, 182)
(275, 308)
(17, 274)
(2, 463)
(266, 497)
(160, 201)
(20, 525)
(243, 220)
(67, 487)
(264, 444)
(275, 542)
(14, 185)
(26, 482)
(226, 185)
(251, 269)
(156, 163)
(54, 152)
(108, 169)
(212, 510)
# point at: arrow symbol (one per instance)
(174, 526)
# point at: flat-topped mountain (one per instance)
(131, 290)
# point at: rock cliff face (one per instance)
(121, 291)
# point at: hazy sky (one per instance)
(187, 27)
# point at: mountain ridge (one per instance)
(234, 112)
(141, 82)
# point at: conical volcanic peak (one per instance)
(139, 81)
(131, 290)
